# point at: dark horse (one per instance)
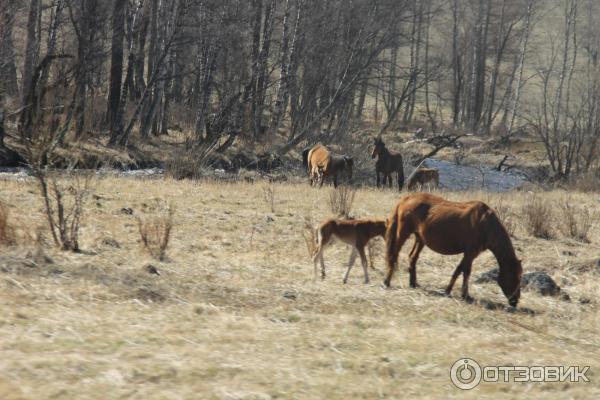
(448, 227)
(387, 163)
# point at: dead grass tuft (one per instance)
(310, 237)
(576, 222)
(341, 200)
(268, 192)
(155, 232)
(537, 217)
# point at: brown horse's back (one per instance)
(446, 227)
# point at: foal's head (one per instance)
(509, 280)
(378, 146)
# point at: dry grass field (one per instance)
(236, 314)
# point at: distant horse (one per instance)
(387, 163)
(356, 233)
(421, 176)
(321, 164)
(448, 227)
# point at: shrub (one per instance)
(576, 222)
(341, 200)
(310, 237)
(155, 232)
(64, 205)
(537, 216)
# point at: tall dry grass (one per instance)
(155, 231)
(341, 200)
(538, 217)
(575, 220)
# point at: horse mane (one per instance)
(498, 239)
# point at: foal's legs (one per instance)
(392, 255)
(350, 264)
(363, 259)
(414, 256)
(464, 266)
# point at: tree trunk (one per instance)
(262, 83)
(457, 74)
(116, 68)
(8, 69)
(31, 46)
(521, 66)
(282, 89)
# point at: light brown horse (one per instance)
(387, 163)
(321, 164)
(424, 176)
(354, 232)
(448, 227)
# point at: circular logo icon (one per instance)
(465, 374)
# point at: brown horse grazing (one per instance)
(448, 227)
(356, 233)
(422, 176)
(321, 164)
(387, 163)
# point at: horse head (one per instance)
(378, 145)
(509, 279)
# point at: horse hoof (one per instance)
(414, 285)
(344, 281)
(468, 299)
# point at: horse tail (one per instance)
(401, 175)
(305, 157)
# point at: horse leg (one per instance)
(466, 260)
(350, 264)
(414, 256)
(363, 259)
(392, 255)
(322, 266)
(465, 284)
(335, 180)
(389, 177)
(377, 173)
(400, 178)
(318, 256)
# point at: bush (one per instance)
(537, 216)
(64, 205)
(576, 222)
(341, 200)
(155, 232)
